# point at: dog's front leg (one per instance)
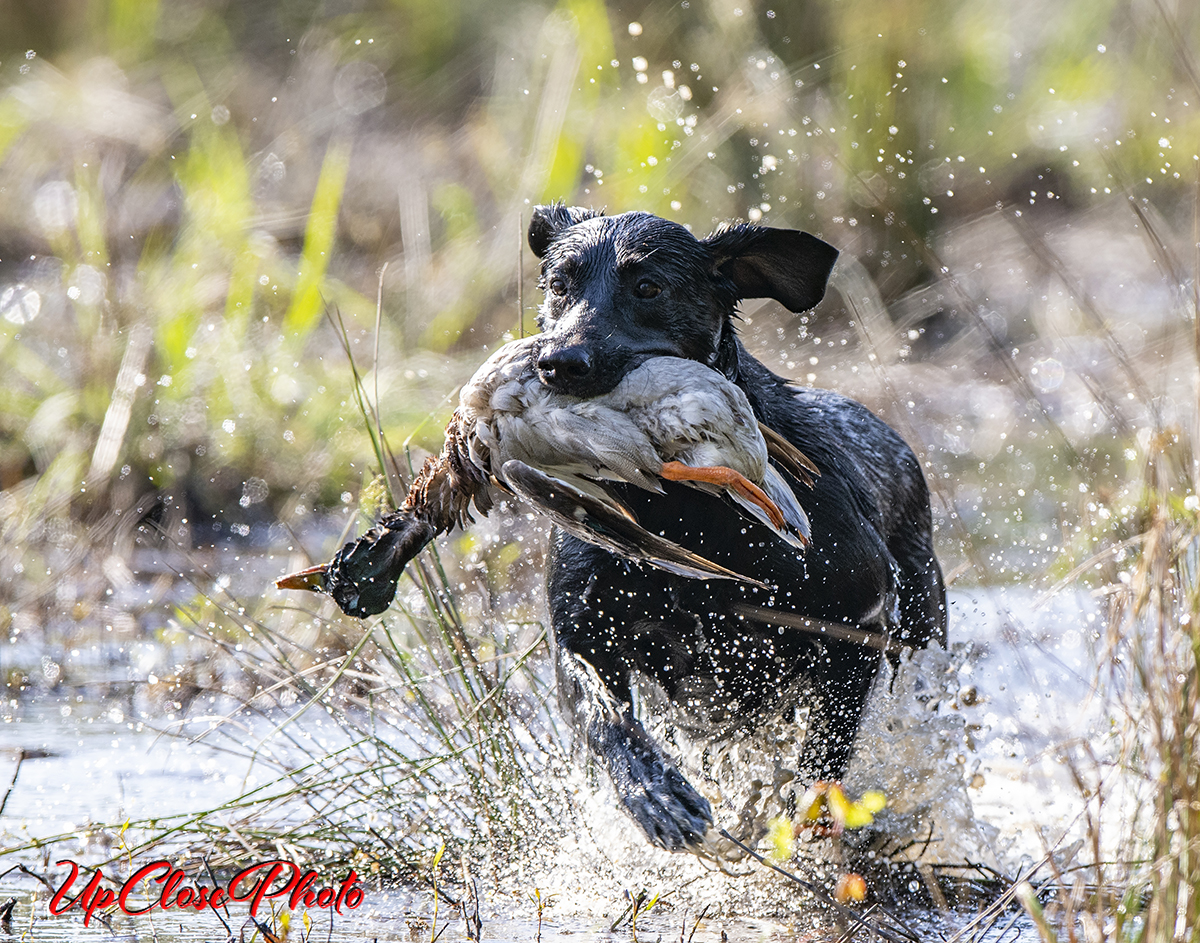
(597, 604)
(666, 806)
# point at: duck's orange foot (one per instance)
(725, 478)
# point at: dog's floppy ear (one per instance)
(548, 221)
(785, 264)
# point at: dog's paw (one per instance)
(669, 810)
(671, 813)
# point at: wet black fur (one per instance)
(871, 561)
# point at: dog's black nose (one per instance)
(565, 366)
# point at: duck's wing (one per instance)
(797, 530)
(699, 420)
(583, 439)
(609, 524)
(790, 458)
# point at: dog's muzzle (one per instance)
(567, 369)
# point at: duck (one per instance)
(668, 419)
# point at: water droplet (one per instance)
(20, 304)
(359, 87)
(55, 205)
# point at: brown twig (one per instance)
(13, 783)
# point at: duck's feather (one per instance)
(577, 441)
(558, 452)
(790, 458)
(799, 531)
(608, 524)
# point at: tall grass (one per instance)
(436, 732)
(381, 742)
(1155, 641)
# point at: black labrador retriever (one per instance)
(622, 289)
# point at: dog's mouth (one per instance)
(637, 359)
(585, 371)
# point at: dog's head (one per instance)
(622, 289)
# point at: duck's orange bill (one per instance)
(312, 579)
(726, 478)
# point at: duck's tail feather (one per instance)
(790, 458)
(771, 502)
(797, 530)
(609, 524)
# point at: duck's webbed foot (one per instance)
(725, 477)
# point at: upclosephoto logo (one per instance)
(279, 881)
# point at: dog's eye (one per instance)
(558, 286)
(646, 289)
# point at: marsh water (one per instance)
(964, 744)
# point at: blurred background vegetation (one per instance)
(187, 186)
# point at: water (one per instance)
(963, 743)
